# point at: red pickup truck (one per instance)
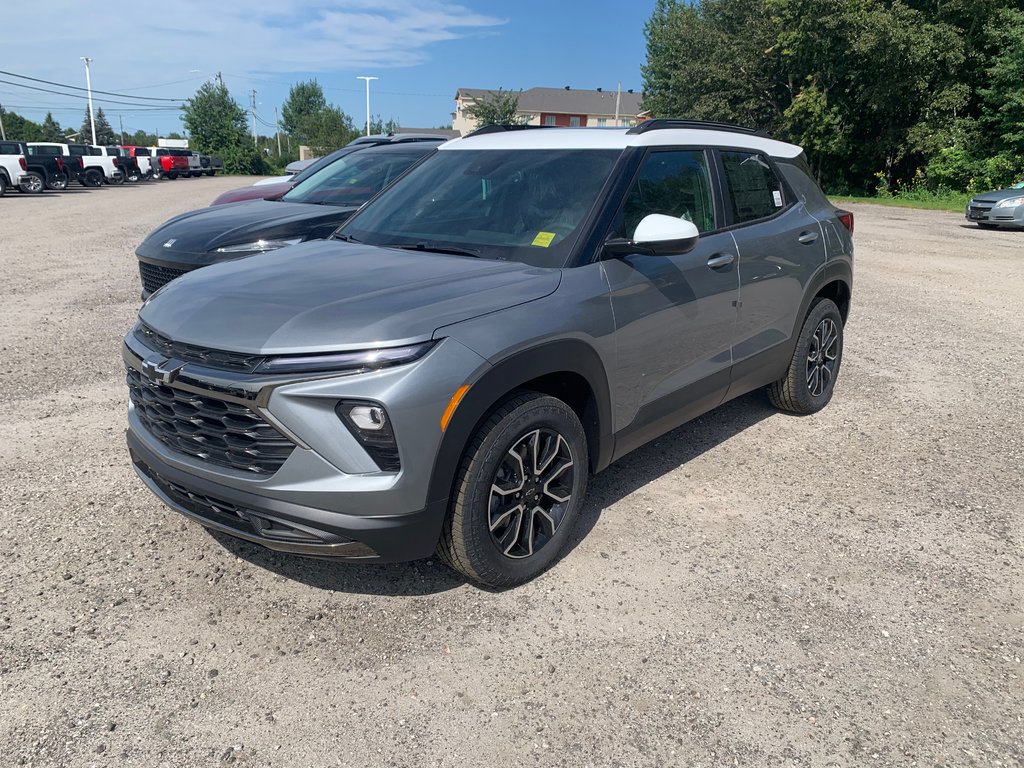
(169, 162)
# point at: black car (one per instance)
(310, 211)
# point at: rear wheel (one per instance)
(172, 174)
(3, 185)
(33, 184)
(519, 492)
(58, 183)
(808, 384)
(92, 178)
(133, 176)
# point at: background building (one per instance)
(567, 107)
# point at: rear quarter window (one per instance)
(754, 191)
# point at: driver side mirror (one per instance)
(657, 235)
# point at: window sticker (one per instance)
(777, 197)
(543, 239)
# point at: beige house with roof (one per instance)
(567, 107)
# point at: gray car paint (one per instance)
(660, 325)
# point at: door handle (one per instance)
(806, 238)
(721, 260)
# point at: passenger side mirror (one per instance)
(657, 235)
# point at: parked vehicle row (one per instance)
(519, 309)
(35, 166)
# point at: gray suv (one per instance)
(512, 315)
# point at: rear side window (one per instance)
(674, 183)
(755, 192)
(79, 151)
(141, 152)
(10, 149)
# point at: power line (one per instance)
(75, 95)
(78, 88)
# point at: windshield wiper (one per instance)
(345, 238)
(435, 248)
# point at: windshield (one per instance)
(353, 179)
(1018, 185)
(516, 205)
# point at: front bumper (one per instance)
(329, 498)
(986, 213)
(284, 526)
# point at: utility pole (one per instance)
(253, 94)
(618, 97)
(120, 122)
(277, 128)
(3, 133)
(88, 88)
(367, 79)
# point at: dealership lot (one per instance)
(751, 589)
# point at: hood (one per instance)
(262, 192)
(330, 295)
(193, 235)
(999, 194)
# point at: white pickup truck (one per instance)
(12, 166)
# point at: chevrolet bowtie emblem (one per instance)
(170, 242)
(161, 369)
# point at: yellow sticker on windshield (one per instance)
(543, 239)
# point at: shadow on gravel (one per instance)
(427, 577)
(668, 452)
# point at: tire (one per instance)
(3, 185)
(93, 178)
(172, 175)
(59, 183)
(35, 184)
(134, 177)
(497, 542)
(196, 174)
(116, 180)
(210, 173)
(810, 380)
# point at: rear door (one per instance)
(780, 246)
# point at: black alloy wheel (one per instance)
(811, 377)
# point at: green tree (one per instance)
(308, 119)
(217, 126)
(379, 125)
(104, 132)
(1003, 94)
(499, 107)
(50, 130)
(19, 128)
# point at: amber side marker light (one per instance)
(452, 405)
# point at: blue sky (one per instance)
(422, 50)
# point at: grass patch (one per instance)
(947, 201)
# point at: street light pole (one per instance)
(367, 79)
(88, 88)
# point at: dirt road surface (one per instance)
(753, 589)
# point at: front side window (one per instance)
(755, 192)
(353, 179)
(526, 205)
(674, 183)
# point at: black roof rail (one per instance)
(495, 128)
(707, 125)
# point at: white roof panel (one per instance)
(618, 138)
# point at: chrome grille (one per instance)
(155, 277)
(220, 432)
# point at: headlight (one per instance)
(258, 246)
(347, 362)
(1010, 202)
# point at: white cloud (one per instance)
(133, 48)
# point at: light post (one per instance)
(367, 79)
(88, 88)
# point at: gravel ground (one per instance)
(753, 589)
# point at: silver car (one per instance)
(1003, 208)
(513, 315)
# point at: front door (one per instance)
(675, 315)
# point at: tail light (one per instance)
(846, 218)
(81, 163)
(60, 162)
(24, 165)
(117, 162)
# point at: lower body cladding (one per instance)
(327, 498)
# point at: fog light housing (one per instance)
(370, 426)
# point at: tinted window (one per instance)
(141, 152)
(45, 151)
(78, 151)
(352, 180)
(674, 183)
(523, 205)
(754, 190)
(10, 149)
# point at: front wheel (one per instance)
(811, 378)
(518, 494)
(34, 183)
